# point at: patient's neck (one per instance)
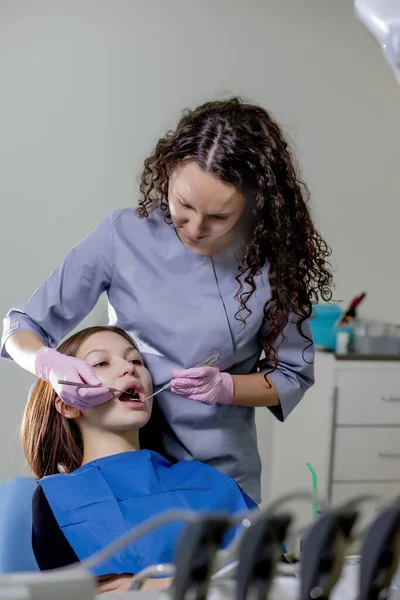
(99, 443)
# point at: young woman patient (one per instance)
(95, 483)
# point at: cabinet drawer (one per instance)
(345, 491)
(367, 454)
(368, 397)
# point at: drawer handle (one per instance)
(389, 454)
(391, 398)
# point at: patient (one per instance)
(95, 482)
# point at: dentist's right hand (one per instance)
(51, 366)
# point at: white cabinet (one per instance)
(384, 492)
(347, 427)
(368, 394)
(366, 454)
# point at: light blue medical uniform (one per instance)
(180, 308)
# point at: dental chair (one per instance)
(16, 553)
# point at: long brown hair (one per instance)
(242, 145)
(49, 440)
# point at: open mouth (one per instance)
(131, 394)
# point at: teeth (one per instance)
(131, 392)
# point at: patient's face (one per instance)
(117, 364)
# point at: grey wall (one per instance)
(86, 86)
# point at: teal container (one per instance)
(323, 325)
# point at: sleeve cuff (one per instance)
(289, 391)
(18, 321)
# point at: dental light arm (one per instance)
(382, 19)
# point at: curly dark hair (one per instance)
(242, 145)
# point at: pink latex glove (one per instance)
(204, 384)
(51, 366)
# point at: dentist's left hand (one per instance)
(204, 384)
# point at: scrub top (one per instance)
(180, 308)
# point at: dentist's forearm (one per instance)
(252, 390)
(23, 347)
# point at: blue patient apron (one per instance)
(106, 498)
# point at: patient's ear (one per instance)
(67, 411)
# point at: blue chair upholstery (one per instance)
(16, 552)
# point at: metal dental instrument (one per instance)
(88, 385)
(210, 360)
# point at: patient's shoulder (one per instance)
(199, 467)
(202, 472)
(200, 475)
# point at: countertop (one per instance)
(359, 357)
(365, 357)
